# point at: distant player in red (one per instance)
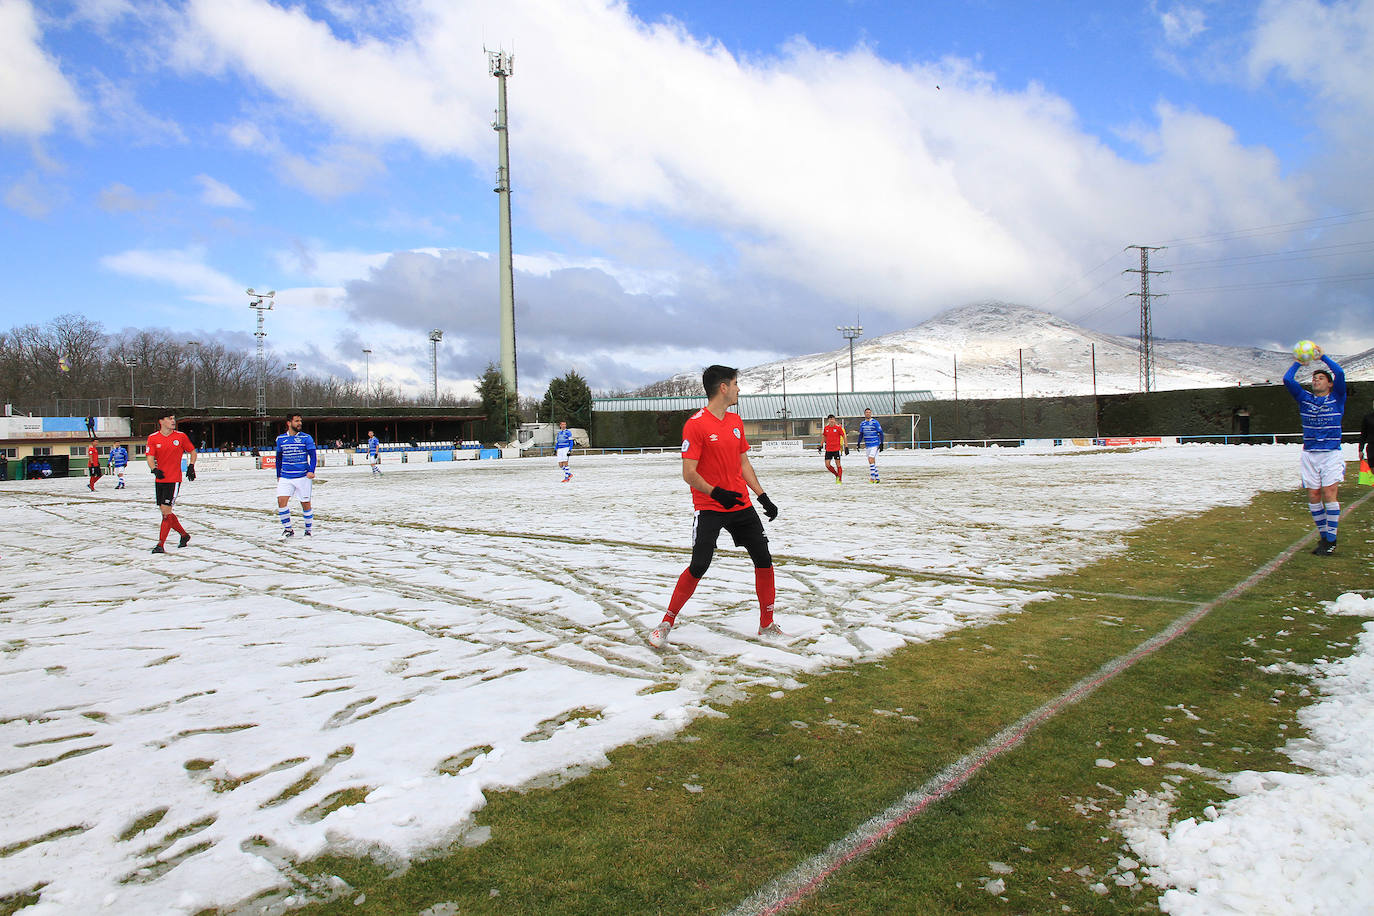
(92, 465)
(165, 448)
(715, 464)
(833, 438)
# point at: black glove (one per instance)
(769, 509)
(846, 450)
(727, 498)
(190, 472)
(880, 446)
(158, 473)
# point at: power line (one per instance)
(1267, 284)
(1275, 228)
(1297, 254)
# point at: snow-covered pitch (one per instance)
(178, 730)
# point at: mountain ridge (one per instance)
(993, 349)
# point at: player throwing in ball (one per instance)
(295, 474)
(165, 450)
(715, 464)
(1322, 411)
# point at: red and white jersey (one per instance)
(834, 438)
(92, 456)
(167, 452)
(716, 447)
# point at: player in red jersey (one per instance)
(92, 465)
(165, 448)
(715, 464)
(833, 439)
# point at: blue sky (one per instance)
(693, 184)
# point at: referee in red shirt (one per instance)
(165, 448)
(715, 464)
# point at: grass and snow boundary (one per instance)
(1288, 842)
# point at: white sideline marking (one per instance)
(791, 888)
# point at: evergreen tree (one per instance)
(499, 404)
(568, 398)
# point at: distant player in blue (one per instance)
(563, 446)
(374, 453)
(1322, 410)
(871, 440)
(118, 461)
(295, 474)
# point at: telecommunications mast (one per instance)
(501, 65)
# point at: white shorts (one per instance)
(563, 453)
(872, 451)
(1322, 469)
(298, 487)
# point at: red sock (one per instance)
(763, 584)
(686, 584)
(176, 523)
(162, 532)
(840, 473)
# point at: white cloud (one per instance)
(184, 269)
(218, 194)
(1183, 24)
(34, 197)
(838, 171)
(120, 198)
(127, 117)
(336, 171)
(35, 91)
(1327, 46)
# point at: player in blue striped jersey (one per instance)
(374, 453)
(871, 440)
(1322, 411)
(295, 474)
(119, 460)
(563, 446)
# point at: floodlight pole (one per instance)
(435, 336)
(262, 303)
(501, 65)
(194, 359)
(131, 363)
(367, 376)
(851, 331)
(291, 367)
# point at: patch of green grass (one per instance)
(695, 824)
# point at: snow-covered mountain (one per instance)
(995, 346)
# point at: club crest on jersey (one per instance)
(686, 445)
(736, 432)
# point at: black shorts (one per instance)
(746, 530)
(93, 470)
(165, 492)
(829, 456)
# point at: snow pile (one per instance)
(1296, 843)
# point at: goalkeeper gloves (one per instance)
(769, 509)
(727, 498)
(190, 472)
(880, 446)
(159, 473)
